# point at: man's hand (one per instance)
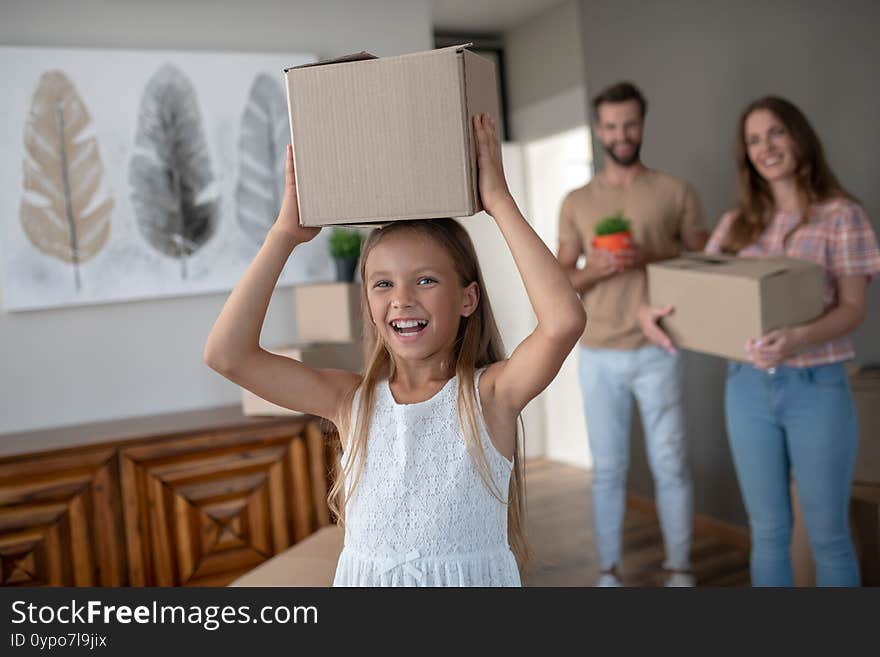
(649, 321)
(632, 258)
(603, 264)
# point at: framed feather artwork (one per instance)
(133, 174)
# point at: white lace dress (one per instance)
(421, 514)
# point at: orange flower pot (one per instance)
(613, 242)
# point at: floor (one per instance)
(560, 533)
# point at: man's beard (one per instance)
(628, 161)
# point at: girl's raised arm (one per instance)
(561, 319)
(233, 345)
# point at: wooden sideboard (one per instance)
(183, 499)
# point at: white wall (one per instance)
(545, 74)
(106, 362)
(556, 165)
(548, 116)
(505, 289)
(699, 63)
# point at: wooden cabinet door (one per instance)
(61, 520)
(184, 507)
(203, 509)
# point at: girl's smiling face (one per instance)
(415, 295)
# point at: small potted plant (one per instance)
(613, 233)
(345, 249)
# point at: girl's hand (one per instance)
(773, 349)
(493, 186)
(649, 318)
(287, 222)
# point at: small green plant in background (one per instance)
(345, 244)
(616, 223)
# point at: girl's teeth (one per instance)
(409, 327)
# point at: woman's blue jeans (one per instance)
(799, 421)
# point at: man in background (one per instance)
(616, 362)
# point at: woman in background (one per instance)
(790, 411)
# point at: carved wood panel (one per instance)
(199, 508)
(60, 520)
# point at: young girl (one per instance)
(791, 409)
(432, 484)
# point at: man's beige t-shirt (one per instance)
(660, 208)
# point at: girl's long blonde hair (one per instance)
(478, 344)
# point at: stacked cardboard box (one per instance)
(864, 519)
(865, 384)
(802, 564)
(328, 323)
(865, 498)
(328, 313)
(333, 356)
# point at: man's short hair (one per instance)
(620, 93)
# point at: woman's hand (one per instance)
(774, 348)
(649, 318)
(778, 346)
(494, 192)
(287, 222)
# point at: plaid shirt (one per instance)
(839, 237)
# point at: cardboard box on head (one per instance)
(385, 139)
(722, 301)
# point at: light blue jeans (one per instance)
(609, 381)
(799, 421)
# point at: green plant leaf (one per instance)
(616, 223)
(345, 243)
